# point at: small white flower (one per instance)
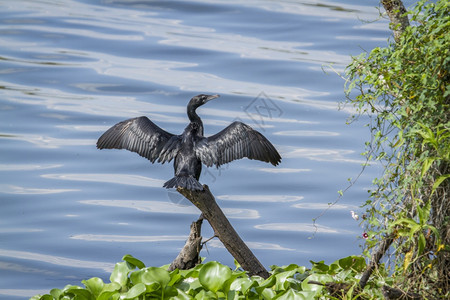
(354, 215)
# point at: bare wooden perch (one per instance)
(205, 201)
(189, 256)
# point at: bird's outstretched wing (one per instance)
(236, 141)
(142, 136)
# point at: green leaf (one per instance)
(267, 293)
(181, 296)
(213, 275)
(291, 295)
(268, 283)
(134, 292)
(426, 165)
(243, 284)
(422, 243)
(109, 290)
(439, 180)
(203, 294)
(56, 293)
(94, 285)
(106, 295)
(120, 273)
(151, 275)
(320, 266)
(322, 278)
(80, 293)
(133, 261)
(281, 279)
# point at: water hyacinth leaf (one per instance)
(205, 295)
(267, 293)
(181, 295)
(281, 280)
(291, 295)
(109, 290)
(242, 284)
(133, 261)
(107, 295)
(80, 293)
(94, 285)
(56, 293)
(232, 295)
(268, 283)
(343, 275)
(134, 292)
(120, 273)
(356, 263)
(213, 275)
(45, 297)
(234, 275)
(323, 278)
(319, 266)
(151, 275)
(309, 295)
(292, 283)
(193, 284)
(175, 277)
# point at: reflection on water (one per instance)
(260, 198)
(25, 167)
(306, 133)
(171, 208)
(332, 155)
(127, 179)
(21, 190)
(127, 238)
(302, 227)
(253, 245)
(50, 142)
(324, 206)
(282, 170)
(56, 260)
(22, 293)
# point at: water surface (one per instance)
(71, 69)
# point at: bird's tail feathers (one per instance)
(187, 182)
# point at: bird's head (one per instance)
(201, 99)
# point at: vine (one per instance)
(404, 89)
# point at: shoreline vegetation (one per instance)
(404, 89)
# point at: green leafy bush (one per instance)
(132, 280)
(404, 89)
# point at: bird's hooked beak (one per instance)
(210, 97)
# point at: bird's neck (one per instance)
(194, 118)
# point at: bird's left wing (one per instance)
(236, 141)
(142, 136)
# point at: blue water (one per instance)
(69, 70)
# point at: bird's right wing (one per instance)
(236, 141)
(142, 136)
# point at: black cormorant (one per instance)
(191, 148)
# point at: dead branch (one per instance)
(204, 200)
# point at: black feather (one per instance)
(190, 149)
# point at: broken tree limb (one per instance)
(189, 256)
(374, 261)
(211, 211)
